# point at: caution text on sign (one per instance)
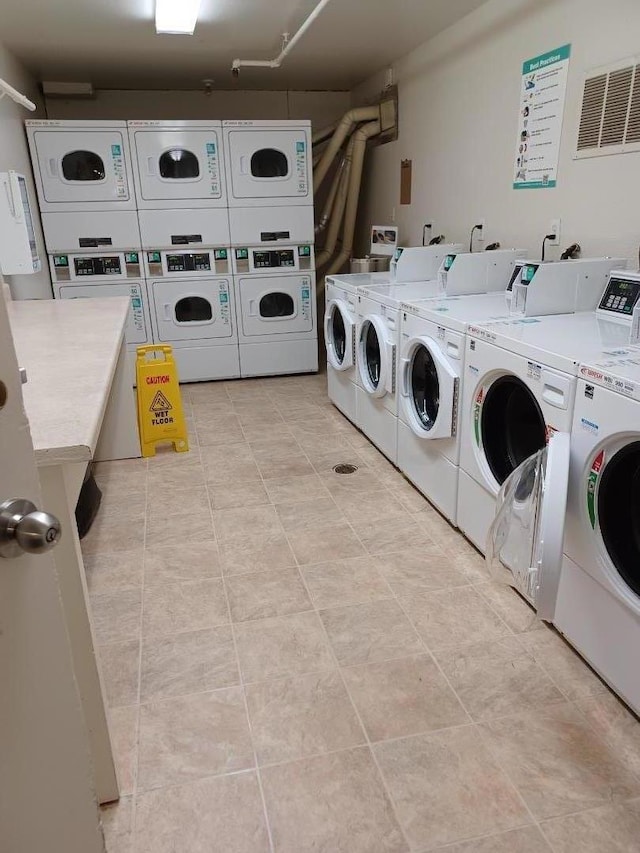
(160, 414)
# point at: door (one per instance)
(83, 166)
(376, 357)
(525, 542)
(47, 801)
(429, 389)
(267, 163)
(199, 309)
(179, 164)
(276, 305)
(339, 335)
(138, 330)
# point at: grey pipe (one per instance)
(323, 257)
(326, 213)
(344, 128)
(360, 138)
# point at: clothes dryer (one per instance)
(81, 165)
(178, 164)
(518, 388)
(275, 291)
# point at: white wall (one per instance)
(321, 107)
(14, 154)
(459, 98)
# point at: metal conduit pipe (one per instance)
(360, 138)
(323, 257)
(345, 125)
(328, 207)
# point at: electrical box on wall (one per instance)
(18, 251)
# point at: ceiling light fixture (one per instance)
(177, 17)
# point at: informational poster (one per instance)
(541, 110)
(384, 239)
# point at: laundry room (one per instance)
(320, 359)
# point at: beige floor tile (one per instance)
(192, 737)
(265, 594)
(558, 763)
(117, 825)
(403, 697)
(385, 536)
(190, 606)
(366, 633)
(453, 617)
(294, 465)
(120, 668)
(364, 508)
(190, 561)
(412, 500)
(614, 829)
(109, 572)
(116, 615)
(364, 480)
(320, 444)
(563, 664)
(223, 814)
(616, 724)
(288, 489)
(128, 505)
(306, 715)
(123, 728)
(324, 544)
(304, 514)
(217, 429)
(110, 535)
(231, 464)
(417, 570)
(286, 645)
(324, 463)
(237, 495)
(205, 392)
(193, 662)
(526, 840)
(447, 787)
(266, 552)
(331, 803)
(497, 678)
(344, 582)
(180, 502)
(180, 527)
(184, 473)
(125, 476)
(511, 607)
(235, 525)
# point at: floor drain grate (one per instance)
(345, 468)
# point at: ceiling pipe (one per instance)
(360, 138)
(324, 256)
(18, 97)
(344, 128)
(287, 45)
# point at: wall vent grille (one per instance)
(610, 116)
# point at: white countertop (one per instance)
(69, 348)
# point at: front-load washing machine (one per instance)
(518, 388)
(378, 336)
(275, 292)
(415, 263)
(178, 164)
(193, 309)
(81, 165)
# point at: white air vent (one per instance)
(610, 117)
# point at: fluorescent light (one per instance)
(177, 16)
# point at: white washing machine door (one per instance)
(198, 309)
(268, 163)
(339, 335)
(177, 164)
(376, 357)
(428, 389)
(525, 542)
(83, 166)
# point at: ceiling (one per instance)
(113, 44)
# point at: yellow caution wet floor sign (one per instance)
(160, 415)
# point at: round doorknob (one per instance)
(24, 529)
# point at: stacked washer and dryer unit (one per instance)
(87, 200)
(246, 312)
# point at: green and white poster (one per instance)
(541, 110)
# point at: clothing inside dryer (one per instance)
(619, 513)
(83, 166)
(193, 309)
(425, 387)
(277, 304)
(512, 426)
(338, 334)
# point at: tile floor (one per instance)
(300, 661)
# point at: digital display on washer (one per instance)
(528, 272)
(448, 262)
(107, 265)
(515, 275)
(189, 262)
(621, 296)
(282, 258)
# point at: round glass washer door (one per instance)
(429, 389)
(338, 335)
(512, 426)
(373, 357)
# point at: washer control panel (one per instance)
(621, 295)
